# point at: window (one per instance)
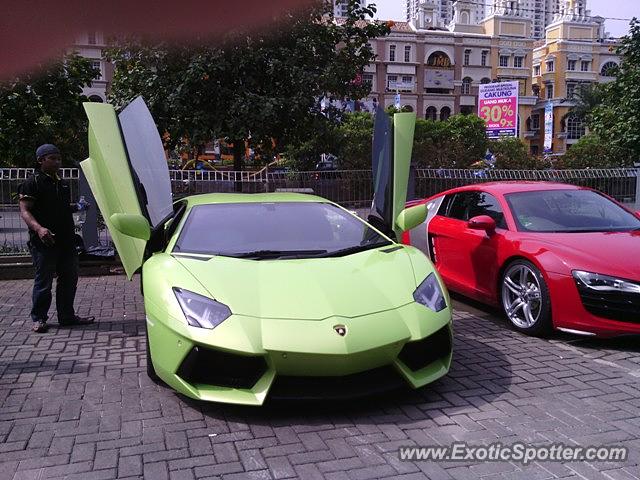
(407, 80)
(568, 211)
(467, 57)
(466, 205)
(445, 113)
(609, 69)
(518, 62)
(571, 65)
(575, 128)
(550, 66)
(91, 38)
(466, 86)
(536, 90)
(504, 60)
(535, 121)
(431, 114)
(585, 66)
(367, 79)
(483, 58)
(549, 91)
(407, 53)
(392, 82)
(536, 71)
(485, 80)
(290, 226)
(392, 53)
(98, 66)
(571, 90)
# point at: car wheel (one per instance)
(525, 298)
(151, 372)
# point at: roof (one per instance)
(519, 186)
(209, 198)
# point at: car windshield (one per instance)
(569, 211)
(275, 230)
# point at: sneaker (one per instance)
(77, 320)
(40, 327)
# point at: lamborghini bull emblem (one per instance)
(340, 330)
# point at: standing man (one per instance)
(46, 208)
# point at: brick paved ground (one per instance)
(76, 403)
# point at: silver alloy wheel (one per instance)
(521, 296)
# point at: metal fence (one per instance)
(350, 188)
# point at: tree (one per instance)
(616, 119)
(589, 152)
(511, 153)
(45, 106)
(456, 142)
(587, 98)
(256, 88)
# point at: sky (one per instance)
(394, 10)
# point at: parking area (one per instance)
(77, 403)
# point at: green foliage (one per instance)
(589, 152)
(512, 153)
(355, 134)
(587, 98)
(45, 106)
(616, 119)
(254, 87)
(457, 142)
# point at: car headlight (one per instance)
(200, 311)
(430, 294)
(605, 283)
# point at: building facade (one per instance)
(439, 13)
(340, 7)
(574, 54)
(90, 45)
(437, 72)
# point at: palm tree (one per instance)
(586, 97)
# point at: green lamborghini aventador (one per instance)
(256, 296)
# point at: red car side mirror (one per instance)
(483, 222)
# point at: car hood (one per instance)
(612, 253)
(311, 289)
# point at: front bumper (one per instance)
(246, 359)
(588, 313)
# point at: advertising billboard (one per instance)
(498, 107)
(438, 78)
(548, 128)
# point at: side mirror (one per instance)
(411, 217)
(482, 222)
(132, 225)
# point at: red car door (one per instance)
(467, 258)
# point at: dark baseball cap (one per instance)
(47, 149)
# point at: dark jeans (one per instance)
(60, 260)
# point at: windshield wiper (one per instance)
(262, 254)
(353, 249)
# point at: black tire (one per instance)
(151, 372)
(525, 298)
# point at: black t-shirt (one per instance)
(51, 206)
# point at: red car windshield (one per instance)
(568, 211)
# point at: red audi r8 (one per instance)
(551, 255)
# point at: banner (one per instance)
(438, 78)
(498, 107)
(548, 128)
